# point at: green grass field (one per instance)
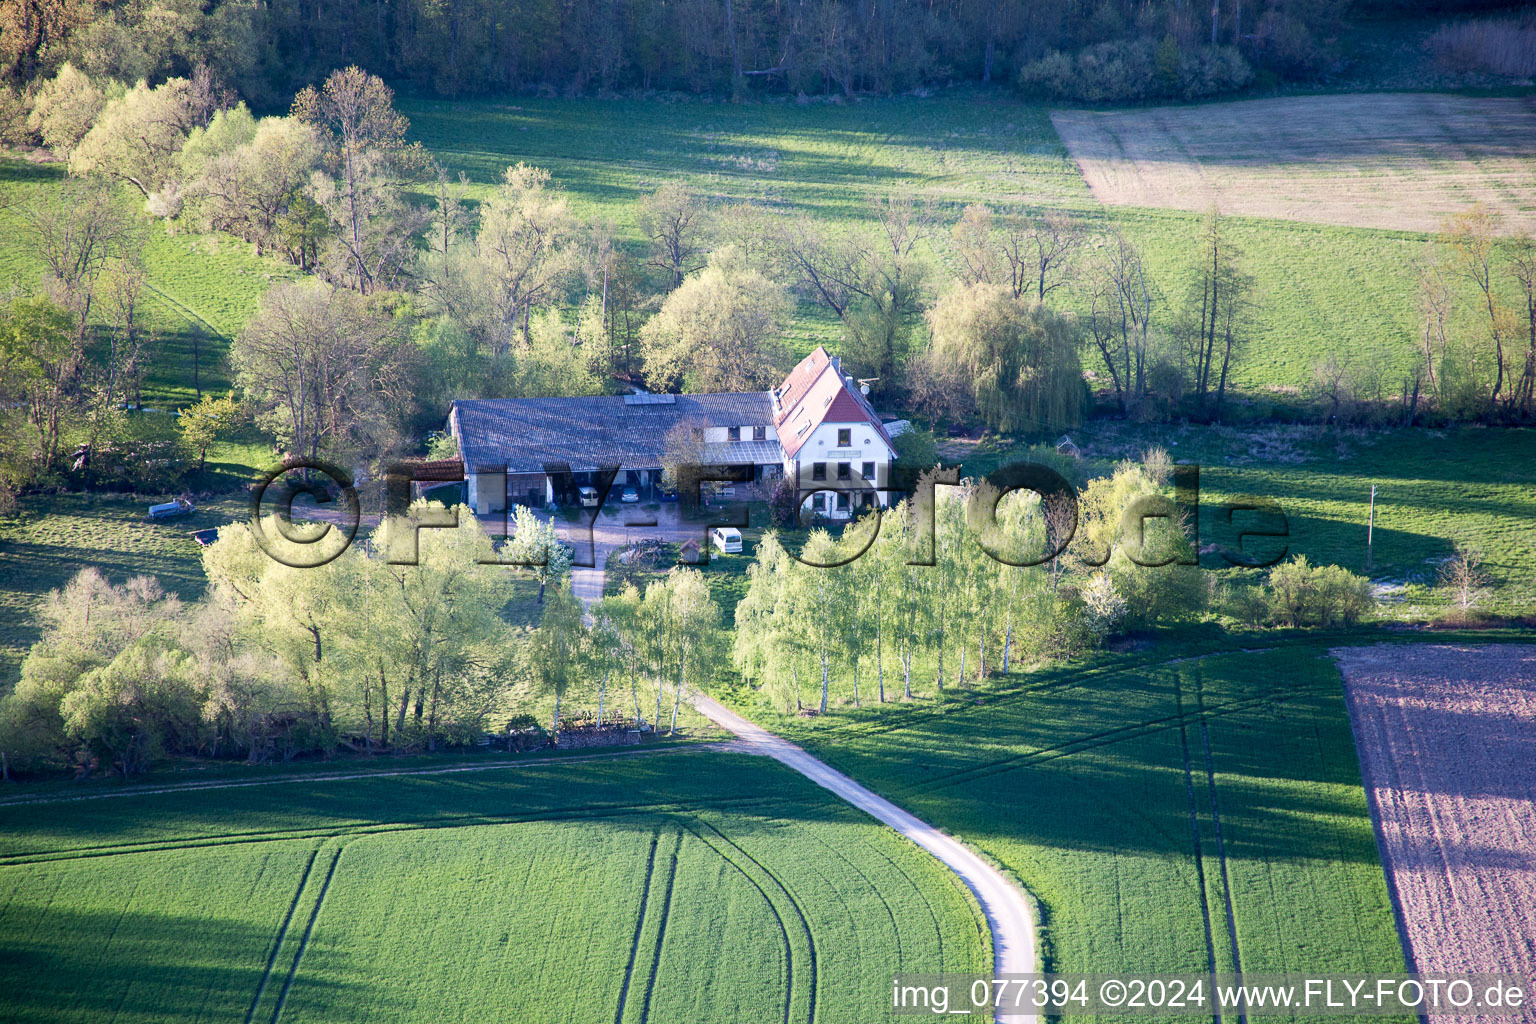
(1434, 488)
(1147, 802)
(687, 887)
(196, 285)
(1320, 289)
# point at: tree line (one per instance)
(726, 47)
(361, 653)
(957, 583)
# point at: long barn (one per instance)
(816, 427)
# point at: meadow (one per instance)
(199, 288)
(1434, 488)
(1320, 289)
(724, 888)
(1170, 814)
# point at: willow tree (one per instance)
(1020, 358)
(433, 626)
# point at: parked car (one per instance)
(726, 539)
(666, 493)
(588, 497)
(179, 507)
(725, 490)
(630, 496)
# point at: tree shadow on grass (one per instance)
(134, 965)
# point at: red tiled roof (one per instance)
(825, 398)
(435, 470)
(800, 380)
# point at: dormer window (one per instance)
(698, 433)
(733, 433)
(759, 433)
(844, 437)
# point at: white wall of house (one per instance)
(721, 435)
(864, 445)
(487, 492)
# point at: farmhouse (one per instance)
(817, 428)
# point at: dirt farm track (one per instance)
(1390, 160)
(1447, 739)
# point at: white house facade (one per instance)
(834, 444)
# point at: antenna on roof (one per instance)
(864, 383)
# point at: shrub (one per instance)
(1247, 605)
(1301, 594)
(1103, 607)
(1130, 70)
(916, 447)
(64, 109)
(782, 504)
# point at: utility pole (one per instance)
(1370, 529)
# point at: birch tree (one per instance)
(555, 654)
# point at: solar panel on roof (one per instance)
(650, 399)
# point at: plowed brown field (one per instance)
(1389, 160)
(1447, 740)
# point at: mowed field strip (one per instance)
(1393, 160)
(1447, 739)
(716, 887)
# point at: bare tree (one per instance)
(1220, 300)
(1120, 300)
(1473, 236)
(673, 218)
(1029, 254)
(369, 162)
(320, 367)
(128, 333)
(1050, 242)
(451, 216)
(78, 229)
(973, 245)
(1434, 311)
(1522, 258)
(874, 280)
(1462, 574)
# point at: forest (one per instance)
(1102, 48)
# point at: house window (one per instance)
(818, 471)
(698, 433)
(845, 471)
(844, 437)
(759, 433)
(818, 502)
(867, 470)
(842, 501)
(733, 433)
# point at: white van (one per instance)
(726, 539)
(588, 497)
